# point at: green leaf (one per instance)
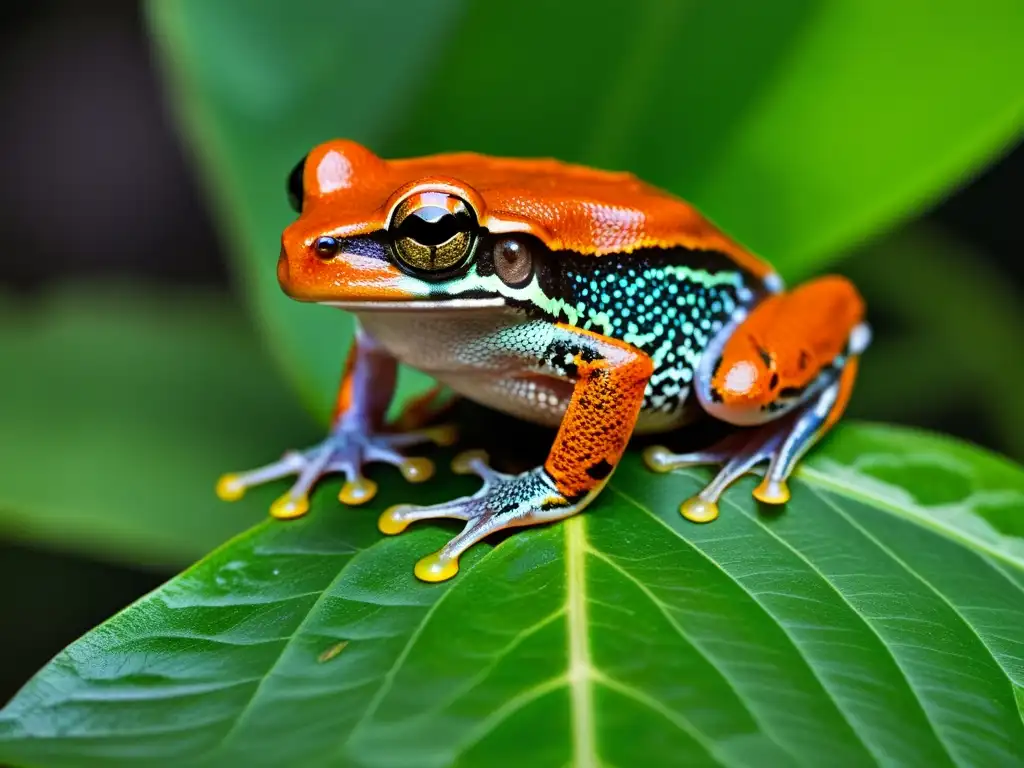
(258, 83)
(119, 408)
(800, 127)
(878, 618)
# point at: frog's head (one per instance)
(461, 229)
(363, 238)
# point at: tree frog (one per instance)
(573, 297)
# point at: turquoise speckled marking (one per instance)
(668, 303)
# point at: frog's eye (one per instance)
(513, 261)
(295, 185)
(433, 231)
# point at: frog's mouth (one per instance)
(418, 305)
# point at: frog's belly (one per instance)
(486, 357)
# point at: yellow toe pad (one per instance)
(434, 568)
(697, 510)
(462, 464)
(656, 458)
(390, 521)
(286, 507)
(417, 470)
(772, 493)
(230, 488)
(358, 492)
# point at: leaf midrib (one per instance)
(580, 665)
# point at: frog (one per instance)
(577, 298)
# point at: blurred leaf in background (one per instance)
(125, 405)
(954, 336)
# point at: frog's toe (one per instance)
(772, 491)
(232, 486)
(504, 501)
(343, 452)
(738, 453)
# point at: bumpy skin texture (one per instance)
(610, 384)
(350, 191)
(567, 295)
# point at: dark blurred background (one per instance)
(96, 184)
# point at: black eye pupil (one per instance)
(295, 185)
(326, 247)
(433, 225)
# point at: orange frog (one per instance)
(577, 298)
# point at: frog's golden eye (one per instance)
(433, 231)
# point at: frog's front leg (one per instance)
(357, 437)
(610, 379)
(786, 372)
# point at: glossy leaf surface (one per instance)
(124, 406)
(801, 127)
(878, 619)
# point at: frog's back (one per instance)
(568, 207)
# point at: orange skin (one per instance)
(600, 418)
(351, 191)
(786, 340)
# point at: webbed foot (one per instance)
(346, 451)
(504, 501)
(780, 443)
(738, 454)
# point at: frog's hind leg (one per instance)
(782, 444)
(737, 457)
(808, 427)
(786, 410)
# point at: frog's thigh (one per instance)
(610, 379)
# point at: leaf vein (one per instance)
(793, 642)
(744, 701)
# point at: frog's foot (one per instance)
(345, 451)
(780, 443)
(504, 501)
(738, 456)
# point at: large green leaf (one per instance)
(800, 126)
(258, 82)
(878, 619)
(120, 406)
